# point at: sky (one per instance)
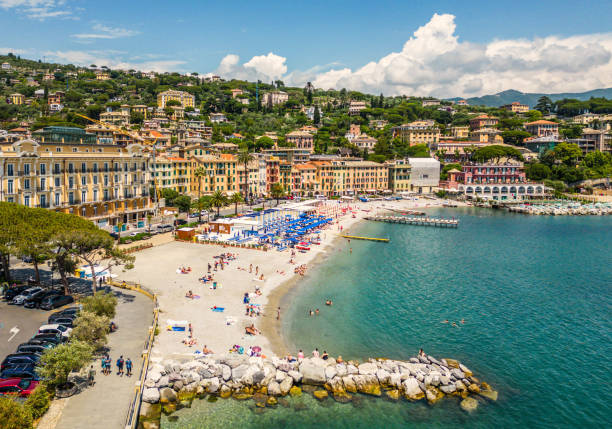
(426, 48)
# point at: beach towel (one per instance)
(218, 309)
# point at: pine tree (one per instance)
(317, 116)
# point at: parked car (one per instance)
(26, 294)
(179, 222)
(64, 331)
(20, 371)
(13, 291)
(50, 338)
(70, 312)
(31, 348)
(19, 358)
(164, 228)
(68, 322)
(21, 387)
(35, 300)
(56, 301)
(48, 344)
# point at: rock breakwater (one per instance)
(171, 384)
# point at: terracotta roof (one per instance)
(541, 122)
(227, 156)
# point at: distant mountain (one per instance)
(530, 99)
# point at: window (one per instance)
(83, 167)
(84, 180)
(71, 197)
(9, 187)
(95, 195)
(56, 169)
(83, 196)
(57, 199)
(43, 168)
(58, 149)
(26, 184)
(74, 149)
(71, 182)
(26, 169)
(95, 180)
(10, 170)
(105, 180)
(43, 183)
(43, 201)
(70, 168)
(26, 201)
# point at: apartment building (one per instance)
(460, 132)
(487, 135)
(16, 99)
(399, 175)
(516, 107)
(418, 132)
(483, 121)
(542, 128)
(356, 106)
(119, 118)
(301, 140)
(104, 183)
(185, 98)
(274, 98)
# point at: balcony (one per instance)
(43, 206)
(41, 189)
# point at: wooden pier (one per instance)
(423, 221)
(408, 212)
(384, 240)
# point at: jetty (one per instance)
(422, 221)
(384, 240)
(408, 212)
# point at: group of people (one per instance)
(454, 324)
(252, 330)
(315, 353)
(120, 363)
(184, 270)
(300, 269)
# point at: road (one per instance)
(26, 320)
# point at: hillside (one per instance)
(531, 99)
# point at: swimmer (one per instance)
(310, 313)
(317, 311)
(455, 325)
(462, 321)
(444, 321)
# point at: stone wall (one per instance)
(171, 384)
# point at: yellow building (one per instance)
(221, 174)
(185, 98)
(104, 183)
(399, 175)
(141, 109)
(17, 98)
(102, 75)
(418, 132)
(172, 173)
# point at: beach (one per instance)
(159, 269)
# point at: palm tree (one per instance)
(236, 199)
(277, 191)
(244, 157)
(198, 173)
(202, 203)
(218, 199)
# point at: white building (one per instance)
(274, 98)
(424, 174)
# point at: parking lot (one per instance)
(18, 325)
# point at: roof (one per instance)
(176, 158)
(423, 161)
(227, 156)
(298, 134)
(453, 170)
(305, 166)
(542, 122)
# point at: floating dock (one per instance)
(383, 240)
(423, 221)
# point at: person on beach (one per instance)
(206, 350)
(128, 367)
(120, 363)
(246, 298)
(329, 302)
(300, 354)
(339, 360)
(189, 294)
(278, 313)
(91, 375)
(209, 267)
(310, 313)
(315, 353)
(421, 352)
(257, 270)
(251, 330)
(324, 356)
(251, 268)
(190, 331)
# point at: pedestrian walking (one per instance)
(120, 363)
(278, 313)
(190, 331)
(91, 376)
(128, 367)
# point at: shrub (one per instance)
(58, 362)
(38, 402)
(13, 415)
(101, 303)
(91, 329)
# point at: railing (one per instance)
(131, 419)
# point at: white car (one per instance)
(55, 328)
(20, 299)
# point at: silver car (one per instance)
(27, 294)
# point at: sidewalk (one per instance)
(105, 405)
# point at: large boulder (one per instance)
(150, 395)
(226, 372)
(395, 380)
(412, 390)
(433, 395)
(297, 377)
(154, 376)
(466, 370)
(489, 394)
(448, 388)
(239, 371)
(469, 404)
(457, 373)
(313, 371)
(383, 377)
(280, 376)
(167, 395)
(330, 372)
(367, 368)
(285, 385)
(341, 369)
(367, 384)
(352, 369)
(211, 384)
(320, 394)
(349, 384)
(274, 389)
(163, 381)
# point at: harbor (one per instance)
(420, 221)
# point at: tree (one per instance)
(514, 137)
(183, 202)
(56, 363)
(171, 103)
(218, 199)
(537, 171)
(544, 105)
(38, 402)
(200, 204)
(567, 153)
(571, 132)
(92, 329)
(317, 116)
(101, 304)
(244, 157)
(277, 191)
(236, 199)
(13, 415)
(198, 173)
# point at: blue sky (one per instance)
(325, 41)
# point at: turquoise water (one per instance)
(535, 293)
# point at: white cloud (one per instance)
(265, 67)
(15, 51)
(38, 9)
(105, 32)
(113, 60)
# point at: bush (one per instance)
(58, 362)
(91, 329)
(101, 303)
(13, 415)
(38, 402)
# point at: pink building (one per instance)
(542, 128)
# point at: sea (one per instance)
(535, 297)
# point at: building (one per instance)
(424, 175)
(460, 132)
(487, 135)
(462, 103)
(290, 154)
(274, 98)
(103, 183)
(6, 66)
(540, 145)
(56, 107)
(542, 128)
(483, 121)
(140, 109)
(516, 107)
(174, 173)
(418, 132)
(399, 175)
(16, 99)
(451, 151)
(102, 75)
(56, 98)
(431, 102)
(364, 142)
(356, 106)
(594, 141)
(378, 124)
(494, 181)
(184, 98)
(64, 135)
(301, 140)
(217, 118)
(118, 118)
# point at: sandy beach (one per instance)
(158, 268)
